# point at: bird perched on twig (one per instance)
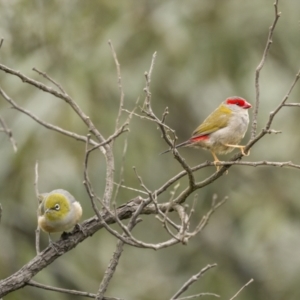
(222, 130)
(58, 211)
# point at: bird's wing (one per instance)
(216, 120)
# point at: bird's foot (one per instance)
(65, 235)
(242, 148)
(54, 246)
(80, 228)
(243, 151)
(216, 163)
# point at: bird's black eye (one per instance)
(56, 207)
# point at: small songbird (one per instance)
(59, 211)
(223, 129)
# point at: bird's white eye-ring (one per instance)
(56, 207)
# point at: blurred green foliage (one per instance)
(207, 50)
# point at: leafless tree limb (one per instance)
(238, 292)
(292, 104)
(9, 133)
(106, 149)
(113, 263)
(119, 83)
(259, 68)
(50, 79)
(199, 296)
(193, 279)
(66, 291)
(37, 194)
(43, 123)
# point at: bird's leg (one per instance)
(240, 147)
(80, 228)
(52, 244)
(216, 160)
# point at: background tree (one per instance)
(206, 51)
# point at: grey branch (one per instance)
(66, 291)
(193, 279)
(259, 68)
(9, 134)
(238, 292)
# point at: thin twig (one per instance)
(273, 113)
(112, 266)
(204, 221)
(9, 134)
(259, 68)
(66, 291)
(292, 104)
(235, 295)
(86, 178)
(50, 79)
(130, 188)
(121, 179)
(37, 231)
(118, 132)
(191, 281)
(1, 42)
(43, 123)
(0, 212)
(119, 83)
(199, 296)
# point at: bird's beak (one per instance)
(247, 105)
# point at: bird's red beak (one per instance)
(247, 105)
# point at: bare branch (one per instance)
(130, 188)
(50, 79)
(107, 151)
(66, 291)
(148, 75)
(193, 279)
(117, 133)
(198, 296)
(292, 104)
(63, 96)
(113, 264)
(121, 179)
(119, 83)
(250, 281)
(273, 114)
(0, 212)
(259, 68)
(206, 218)
(9, 133)
(37, 194)
(1, 42)
(43, 123)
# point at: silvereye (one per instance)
(59, 211)
(223, 129)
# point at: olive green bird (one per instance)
(58, 211)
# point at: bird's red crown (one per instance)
(238, 101)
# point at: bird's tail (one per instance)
(186, 143)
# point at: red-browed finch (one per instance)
(223, 129)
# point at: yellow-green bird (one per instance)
(223, 129)
(59, 211)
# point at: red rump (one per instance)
(199, 138)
